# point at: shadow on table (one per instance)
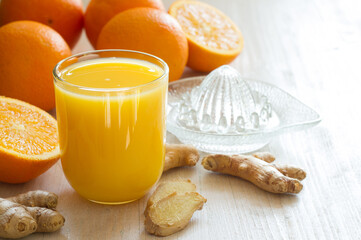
(85, 218)
(178, 235)
(55, 235)
(247, 193)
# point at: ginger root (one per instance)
(37, 198)
(48, 220)
(171, 207)
(15, 220)
(180, 155)
(265, 156)
(165, 189)
(24, 214)
(269, 177)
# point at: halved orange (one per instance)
(213, 39)
(29, 142)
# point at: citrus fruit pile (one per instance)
(37, 34)
(193, 33)
(34, 36)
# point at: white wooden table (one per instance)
(310, 48)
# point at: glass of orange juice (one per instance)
(110, 107)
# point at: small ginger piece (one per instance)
(291, 171)
(269, 177)
(265, 156)
(171, 206)
(180, 155)
(48, 220)
(36, 198)
(287, 170)
(172, 213)
(165, 189)
(27, 213)
(15, 220)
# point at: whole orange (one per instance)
(28, 53)
(148, 30)
(99, 12)
(65, 16)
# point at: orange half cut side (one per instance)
(29, 142)
(213, 38)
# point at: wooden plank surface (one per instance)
(310, 48)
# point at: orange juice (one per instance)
(111, 118)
